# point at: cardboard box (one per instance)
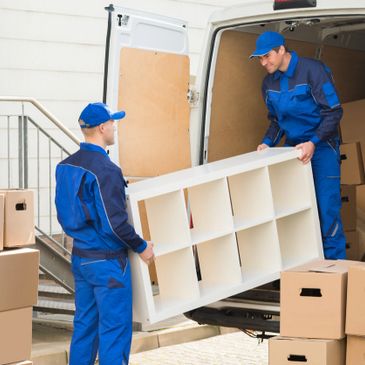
(361, 232)
(285, 350)
(19, 218)
(15, 335)
(2, 219)
(355, 352)
(313, 300)
(352, 124)
(360, 197)
(352, 245)
(352, 167)
(348, 210)
(18, 278)
(355, 318)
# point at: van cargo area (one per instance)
(235, 120)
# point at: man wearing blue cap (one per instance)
(91, 208)
(304, 107)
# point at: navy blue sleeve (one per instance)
(111, 185)
(325, 95)
(274, 133)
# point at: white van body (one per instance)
(227, 113)
(170, 35)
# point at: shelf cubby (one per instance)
(299, 237)
(290, 188)
(177, 279)
(168, 222)
(259, 251)
(219, 262)
(251, 198)
(211, 210)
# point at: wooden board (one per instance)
(154, 136)
(239, 115)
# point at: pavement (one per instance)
(227, 349)
(177, 341)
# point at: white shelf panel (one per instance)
(172, 248)
(240, 225)
(288, 212)
(155, 186)
(252, 216)
(199, 237)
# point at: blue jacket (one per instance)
(91, 202)
(302, 102)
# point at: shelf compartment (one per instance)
(251, 198)
(168, 222)
(290, 185)
(300, 238)
(177, 279)
(211, 210)
(259, 251)
(219, 262)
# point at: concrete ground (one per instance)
(181, 341)
(228, 349)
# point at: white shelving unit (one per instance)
(222, 228)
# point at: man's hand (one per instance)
(307, 151)
(262, 147)
(147, 255)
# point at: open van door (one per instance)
(148, 77)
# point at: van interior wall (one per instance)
(238, 112)
(348, 69)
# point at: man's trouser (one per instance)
(103, 317)
(326, 174)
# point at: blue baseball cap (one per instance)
(97, 113)
(266, 42)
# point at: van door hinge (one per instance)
(192, 96)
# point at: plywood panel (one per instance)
(348, 70)
(154, 136)
(239, 115)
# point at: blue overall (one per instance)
(303, 106)
(91, 208)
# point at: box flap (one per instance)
(321, 266)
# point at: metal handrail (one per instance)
(45, 112)
(54, 256)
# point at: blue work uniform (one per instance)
(91, 208)
(303, 106)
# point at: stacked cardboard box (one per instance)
(352, 175)
(355, 319)
(16, 218)
(312, 315)
(349, 221)
(18, 276)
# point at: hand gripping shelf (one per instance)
(222, 228)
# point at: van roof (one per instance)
(262, 10)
